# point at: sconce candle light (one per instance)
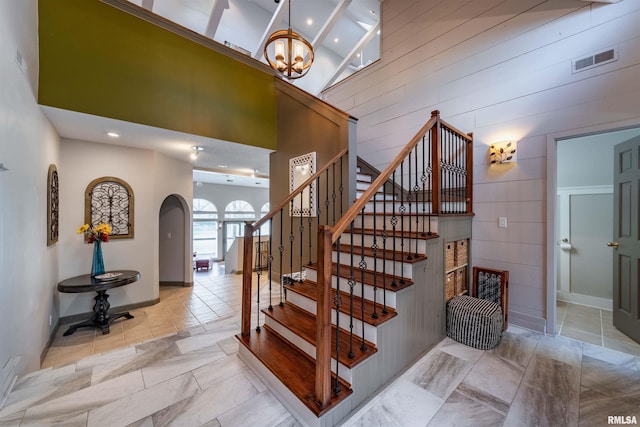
(503, 152)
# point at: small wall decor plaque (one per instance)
(53, 205)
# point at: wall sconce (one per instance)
(503, 152)
(195, 152)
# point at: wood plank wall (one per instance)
(502, 70)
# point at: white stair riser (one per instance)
(379, 221)
(306, 346)
(377, 196)
(403, 269)
(363, 177)
(370, 331)
(408, 243)
(357, 290)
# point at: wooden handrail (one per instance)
(341, 226)
(299, 190)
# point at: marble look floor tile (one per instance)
(137, 406)
(161, 370)
(229, 345)
(290, 421)
(80, 402)
(440, 373)
(263, 410)
(611, 356)
(484, 398)
(459, 410)
(459, 350)
(104, 358)
(627, 347)
(145, 422)
(41, 393)
(495, 376)
(557, 379)
(218, 371)
(582, 336)
(560, 348)
(38, 377)
(11, 419)
(531, 407)
(610, 331)
(207, 405)
(515, 348)
(595, 407)
(609, 379)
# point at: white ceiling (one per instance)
(244, 24)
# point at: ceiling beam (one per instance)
(214, 17)
(330, 23)
(278, 16)
(147, 4)
(347, 59)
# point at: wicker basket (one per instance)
(450, 286)
(461, 281)
(449, 256)
(462, 252)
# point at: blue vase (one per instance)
(97, 265)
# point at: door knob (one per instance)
(613, 245)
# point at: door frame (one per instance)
(552, 182)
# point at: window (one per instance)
(235, 214)
(205, 229)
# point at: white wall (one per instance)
(152, 178)
(501, 70)
(28, 144)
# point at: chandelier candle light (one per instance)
(96, 235)
(288, 52)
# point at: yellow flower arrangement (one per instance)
(99, 232)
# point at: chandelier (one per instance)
(288, 53)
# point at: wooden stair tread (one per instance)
(295, 369)
(308, 289)
(398, 233)
(392, 283)
(303, 324)
(382, 254)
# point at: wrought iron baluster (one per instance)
(333, 191)
(341, 188)
(326, 200)
(363, 266)
(352, 285)
(384, 248)
(374, 249)
(402, 210)
(429, 178)
(281, 250)
(301, 229)
(394, 222)
(291, 239)
(416, 188)
(270, 261)
(423, 178)
(259, 271)
(409, 199)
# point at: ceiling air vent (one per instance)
(594, 60)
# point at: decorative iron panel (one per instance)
(110, 200)
(53, 205)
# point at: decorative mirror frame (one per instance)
(305, 205)
(110, 200)
(53, 205)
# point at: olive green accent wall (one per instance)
(99, 60)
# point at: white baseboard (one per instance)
(572, 297)
(537, 324)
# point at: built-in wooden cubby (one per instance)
(456, 256)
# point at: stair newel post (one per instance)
(352, 284)
(469, 175)
(338, 303)
(363, 267)
(435, 163)
(247, 274)
(323, 318)
(394, 222)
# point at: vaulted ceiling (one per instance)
(344, 33)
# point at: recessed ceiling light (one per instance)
(195, 151)
(113, 134)
(336, 40)
(373, 12)
(309, 21)
(223, 166)
(258, 182)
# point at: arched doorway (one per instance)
(174, 257)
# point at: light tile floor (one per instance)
(592, 325)
(194, 378)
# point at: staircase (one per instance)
(370, 303)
